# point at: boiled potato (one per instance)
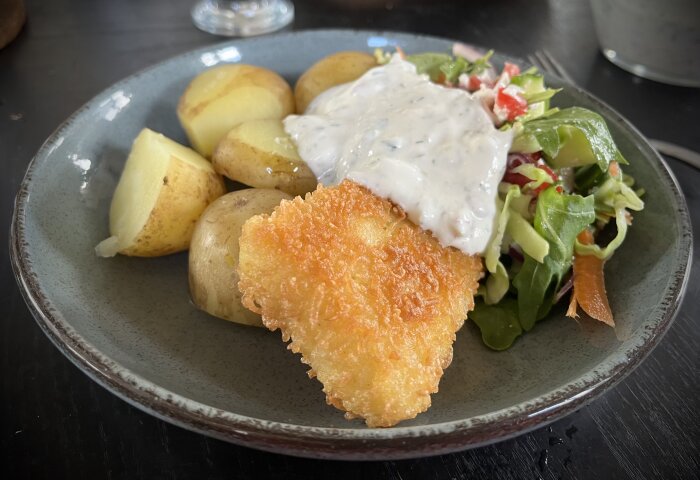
(162, 191)
(213, 256)
(224, 96)
(341, 67)
(261, 154)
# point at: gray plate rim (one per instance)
(335, 443)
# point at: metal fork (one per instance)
(544, 60)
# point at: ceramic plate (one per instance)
(129, 324)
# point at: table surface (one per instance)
(58, 423)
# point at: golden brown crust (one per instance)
(371, 301)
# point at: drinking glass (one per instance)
(659, 40)
(242, 18)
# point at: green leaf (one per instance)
(613, 192)
(589, 176)
(429, 63)
(435, 64)
(541, 96)
(493, 249)
(498, 323)
(550, 132)
(527, 237)
(480, 65)
(605, 253)
(613, 197)
(536, 175)
(496, 285)
(559, 218)
(454, 69)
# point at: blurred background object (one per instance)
(652, 39)
(12, 17)
(242, 18)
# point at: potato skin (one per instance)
(261, 154)
(163, 189)
(213, 256)
(224, 96)
(185, 194)
(341, 67)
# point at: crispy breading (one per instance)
(371, 301)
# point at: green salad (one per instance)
(564, 202)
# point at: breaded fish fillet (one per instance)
(371, 301)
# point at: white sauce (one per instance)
(432, 150)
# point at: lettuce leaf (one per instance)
(429, 63)
(481, 64)
(559, 218)
(537, 175)
(546, 131)
(493, 249)
(612, 198)
(497, 283)
(435, 64)
(498, 323)
(454, 69)
(523, 233)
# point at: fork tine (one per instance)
(546, 64)
(556, 66)
(534, 62)
(541, 63)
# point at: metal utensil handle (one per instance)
(676, 151)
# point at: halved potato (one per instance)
(261, 154)
(341, 67)
(161, 193)
(222, 97)
(213, 256)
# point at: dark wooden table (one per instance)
(57, 423)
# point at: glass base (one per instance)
(647, 72)
(242, 18)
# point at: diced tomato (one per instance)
(511, 69)
(513, 105)
(474, 83)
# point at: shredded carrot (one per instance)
(401, 53)
(614, 169)
(573, 307)
(589, 285)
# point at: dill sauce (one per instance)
(432, 150)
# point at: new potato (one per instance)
(261, 154)
(161, 193)
(213, 255)
(341, 67)
(222, 97)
